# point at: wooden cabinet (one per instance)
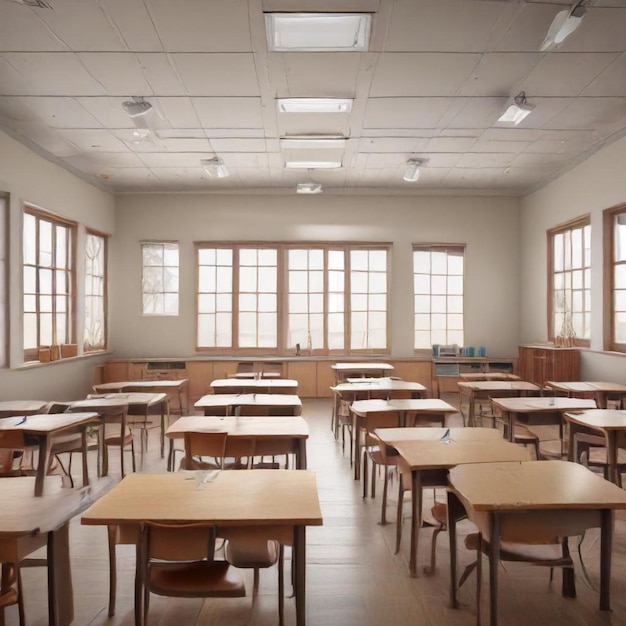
(305, 372)
(446, 371)
(538, 364)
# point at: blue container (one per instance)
(482, 351)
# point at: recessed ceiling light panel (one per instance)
(314, 105)
(318, 32)
(313, 165)
(308, 188)
(312, 142)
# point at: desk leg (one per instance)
(416, 520)
(300, 568)
(356, 439)
(494, 560)
(60, 592)
(165, 422)
(606, 540)
(83, 440)
(334, 420)
(301, 454)
(614, 476)
(139, 582)
(455, 512)
(42, 465)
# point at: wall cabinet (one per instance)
(538, 364)
(446, 371)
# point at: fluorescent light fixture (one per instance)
(312, 165)
(309, 188)
(215, 167)
(412, 173)
(563, 25)
(141, 113)
(310, 142)
(314, 105)
(517, 111)
(318, 32)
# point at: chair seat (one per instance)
(250, 551)
(196, 579)
(540, 554)
(598, 456)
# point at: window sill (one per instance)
(35, 364)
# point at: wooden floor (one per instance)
(353, 576)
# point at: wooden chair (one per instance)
(179, 561)
(11, 591)
(592, 452)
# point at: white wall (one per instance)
(28, 178)
(489, 227)
(594, 185)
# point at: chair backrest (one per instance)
(198, 444)
(178, 542)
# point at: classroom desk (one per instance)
(344, 370)
(431, 409)
(478, 376)
(428, 459)
(28, 523)
(285, 499)
(599, 390)
(536, 500)
(40, 430)
(537, 411)
(242, 385)
(147, 386)
(11, 408)
(365, 389)
(140, 404)
(273, 435)
(610, 423)
(227, 403)
(482, 390)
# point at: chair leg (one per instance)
(132, 452)
(112, 532)
(479, 575)
(373, 487)
(383, 511)
(255, 582)
(365, 470)
(399, 515)
(281, 585)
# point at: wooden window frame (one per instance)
(579, 222)
(433, 247)
(283, 349)
(608, 286)
(32, 354)
(153, 242)
(105, 277)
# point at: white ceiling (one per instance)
(436, 78)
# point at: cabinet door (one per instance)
(306, 374)
(325, 379)
(200, 374)
(115, 371)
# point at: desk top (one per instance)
(377, 384)
(287, 427)
(586, 387)
(130, 398)
(429, 405)
(133, 385)
(361, 367)
(499, 385)
(241, 383)
(47, 423)
(391, 436)
(25, 514)
(248, 399)
(476, 376)
(604, 419)
(534, 485)
(530, 405)
(9, 408)
(234, 498)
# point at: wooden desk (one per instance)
(484, 389)
(226, 403)
(374, 369)
(537, 411)
(428, 459)
(28, 523)
(610, 423)
(10, 408)
(268, 498)
(478, 376)
(599, 390)
(368, 388)
(275, 435)
(242, 385)
(536, 500)
(147, 386)
(431, 409)
(39, 430)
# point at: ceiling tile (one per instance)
(239, 145)
(93, 140)
(228, 112)
(21, 30)
(55, 112)
(485, 159)
(120, 73)
(404, 112)
(610, 82)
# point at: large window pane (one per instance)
(95, 286)
(160, 278)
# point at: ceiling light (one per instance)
(314, 105)
(308, 188)
(412, 173)
(318, 32)
(312, 165)
(563, 25)
(306, 143)
(136, 107)
(517, 111)
(215, 167)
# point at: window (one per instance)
(438, 292)
(4, 262)
(291, 297)
(159, 280)
(569, 288)
(95, 292)
(615, 278)
(48, 276)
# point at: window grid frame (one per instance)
(32, 354)
(105, 283)
(283, 349)
(567, 229)
(163, 292)
(432, 247)
(609, 265)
